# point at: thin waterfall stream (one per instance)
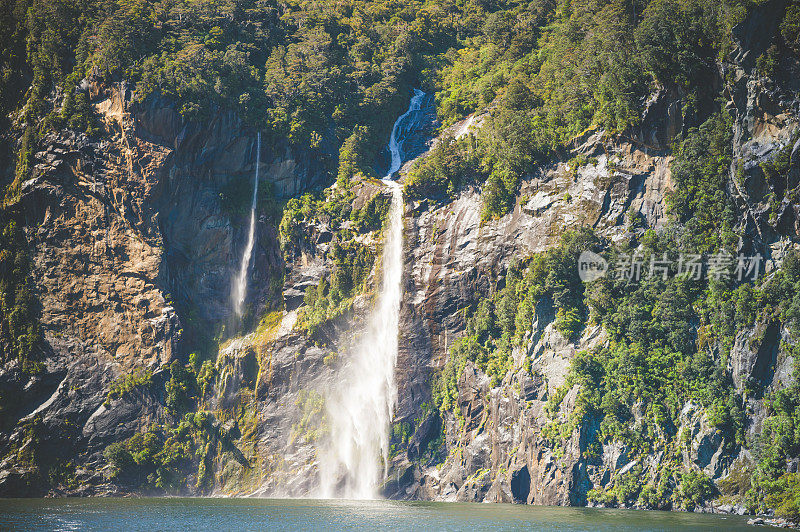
(240, 285)
(360, 408)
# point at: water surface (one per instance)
(154, 514)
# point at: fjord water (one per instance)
(270, 514)
(359, 411)
(240, 284)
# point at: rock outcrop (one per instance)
(132, 244)
(135, 239)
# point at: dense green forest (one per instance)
(331, 76)
(308, 71)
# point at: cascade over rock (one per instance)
(133, 254)
(240, 286)
(361, 406)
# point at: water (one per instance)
(401, 127)
(354, 458)
(240, 286)
(148, 515)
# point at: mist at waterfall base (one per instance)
(240, 283)
(355, 458)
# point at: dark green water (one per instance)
(157, 514)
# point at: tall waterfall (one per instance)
(360, 409)
(240, 286)
(401, 127)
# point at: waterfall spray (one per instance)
(360, 409)
(240, 286)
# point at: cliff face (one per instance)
(454, 261)
(133, 249)
(497, 448)
(135, 240)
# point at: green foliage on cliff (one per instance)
(325, 76)
(700, 200)
(331, 77)
(779, 441)
(312, 424)
(439, 175)
(551, 70)
(332, 207)
(181, 389)
(352, 259)
(333, 296)
(499, 324)
(582, 63)
(669, 343)
(125, 385)
(20, 332)
(160, 459)
(372, 215)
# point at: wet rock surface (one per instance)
(127, 233)
(134, 250)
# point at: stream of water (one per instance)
(402, 126)
(240, 285)
(360, 410)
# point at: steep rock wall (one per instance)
(132, 257)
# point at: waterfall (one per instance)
(360, 408)
(240, 286)
(398, 132)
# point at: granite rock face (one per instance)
(126, 235)
(497, 452)
(135, 239)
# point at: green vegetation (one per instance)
(444, 170)
(333, 296)
(372, 215)
(329, 78)
(125, 385)
(551, 70)
(772, 485)
(20, 333)
(331, 207)
(700, 171)
(160, 458)
(317, 73)
(501, 323)
(402, 431)
(624, 490)
(44, 467)
(352, 260)
(312, 424)
(670, 339)
(180, 389)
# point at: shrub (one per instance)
(695, 488)
(125, 385)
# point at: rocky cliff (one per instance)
(134, 241)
